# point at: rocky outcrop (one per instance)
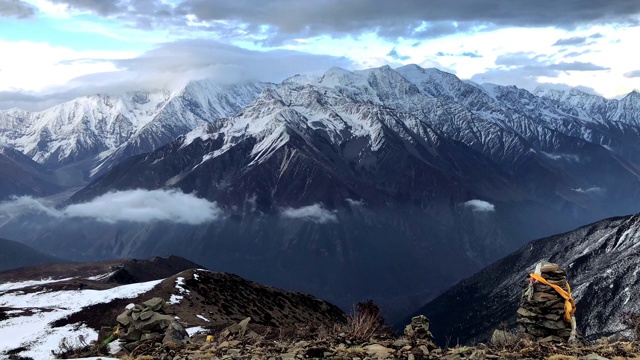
(141, 322)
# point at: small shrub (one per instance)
(366, 321)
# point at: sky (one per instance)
(55, 50)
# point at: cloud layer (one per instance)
(315, 213)
(173, 64)
(291, 19)
(130, 206)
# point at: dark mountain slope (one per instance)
(602, 262)
(19, 175)
(16, 255)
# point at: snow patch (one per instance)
(203, 318)
(195, 329)
(35, 333)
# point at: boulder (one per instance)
(155, 304)
(175, 333)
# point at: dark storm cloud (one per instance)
(15, 8)
(417, 19)
(174, 64)
(632, 74)
(576, 40)
(144, 14)
(394, 19)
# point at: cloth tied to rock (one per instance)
(569, 303)
(547, 309)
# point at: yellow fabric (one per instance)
(569, 304)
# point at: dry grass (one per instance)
(562, 357)
(366, 321)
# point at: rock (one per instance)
(593, 356)
(147, 336)
(243, 326)
(175, 333)
(155, 304)
(155, 322)
(502, 338)
(379, 351)
(145, 315)
(123, 318)
(551, 338)
(132, 335)
(401, 343)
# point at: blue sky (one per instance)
(54, 50)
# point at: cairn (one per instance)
(146, 321)
(418, 331)
(544, 313)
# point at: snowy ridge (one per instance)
(100, 125)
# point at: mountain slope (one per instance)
(601, 260)
(20, 175)
(16, 255)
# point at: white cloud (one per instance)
(316, 213)
(479, 205)
(355, 203)
(591, 190)
(131, 206)
(26, 204)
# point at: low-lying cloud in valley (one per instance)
(480, 205)
(131, 206)
(316, 213)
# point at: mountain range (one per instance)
(88, 135)
(382, 183)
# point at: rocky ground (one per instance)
(401, 348)
(363, 338)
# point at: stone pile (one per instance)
(542, 309)
(418, 332)
(147, 321)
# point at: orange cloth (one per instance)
(569, 304)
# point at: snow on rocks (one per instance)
(32, 329)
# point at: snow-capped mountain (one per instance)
(101, 130)
(601, 260)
